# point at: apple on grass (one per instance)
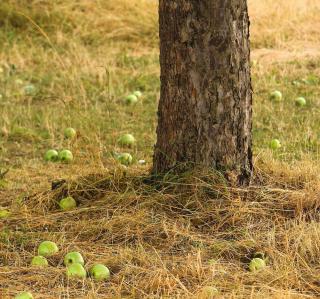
(276, 96)
(66, 156)
(76, 271)
(257, 264)
(39, 261)
(138, 94)
(70, 133)
(73, 257)
(125, 159)
(51, 156)
(275, 144)
(127, 140)
(300, 102)
(24, 295)
(131, 99)
(67, 203)
(99, 272)
(47, 248)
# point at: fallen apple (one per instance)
(76, 271)
(208, 292)
(47, 248)
(29, 89)
(51, 155)
(275, 144)
(99, 272)
(73, 258)
(276, 96)
(67, 203)
(19, 82)
(256, 264)
(65, 156)
(24, 295)
(4, 214)
(127, 140)
(39, 261)
(142, 162)
(70, 133)
(300, 102)
(138, 94)
(125, 159)
(131, 99)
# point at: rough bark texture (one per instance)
(205, 109)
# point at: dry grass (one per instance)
(164, 239)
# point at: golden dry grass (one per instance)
(164, 240)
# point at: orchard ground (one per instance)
(171, 239)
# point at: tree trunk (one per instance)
(205, 109)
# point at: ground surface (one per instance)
(169, 240)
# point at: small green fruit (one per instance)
(257, 264)
(4, 214)
(29, 89)
(131, 99)
(65, 156)
(300, 102)
(275, 144)
(76, 271)
(208, 292)
(276, 96)
(24, 295)
(138, 94)
(73, 258)
(51, 155)
(70, 133)
(127, 140)
(39, 261)
(67, 203)
(19, 82)
(47, 248)
(99, 272)
(125, 159)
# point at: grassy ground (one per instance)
(171, 240)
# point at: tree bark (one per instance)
(205, 108)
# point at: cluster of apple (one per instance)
(276, 96)
(65, 155)
(133, 98)
(73, 261)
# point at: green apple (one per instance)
(127, 140)
(47, 248)
(256, 264)
(51, 155)
(67, 203)
(76, 271)
(300, 102)
(73, 258)
(125, 159)
(39, 261)
(275, 144)
(29, 89)
(4, 214)
(70, 133)
(208, 292)
(65, 156)
(99, 272)
(131, 99)
(276, 96)
(138, 94)
(24, 295)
